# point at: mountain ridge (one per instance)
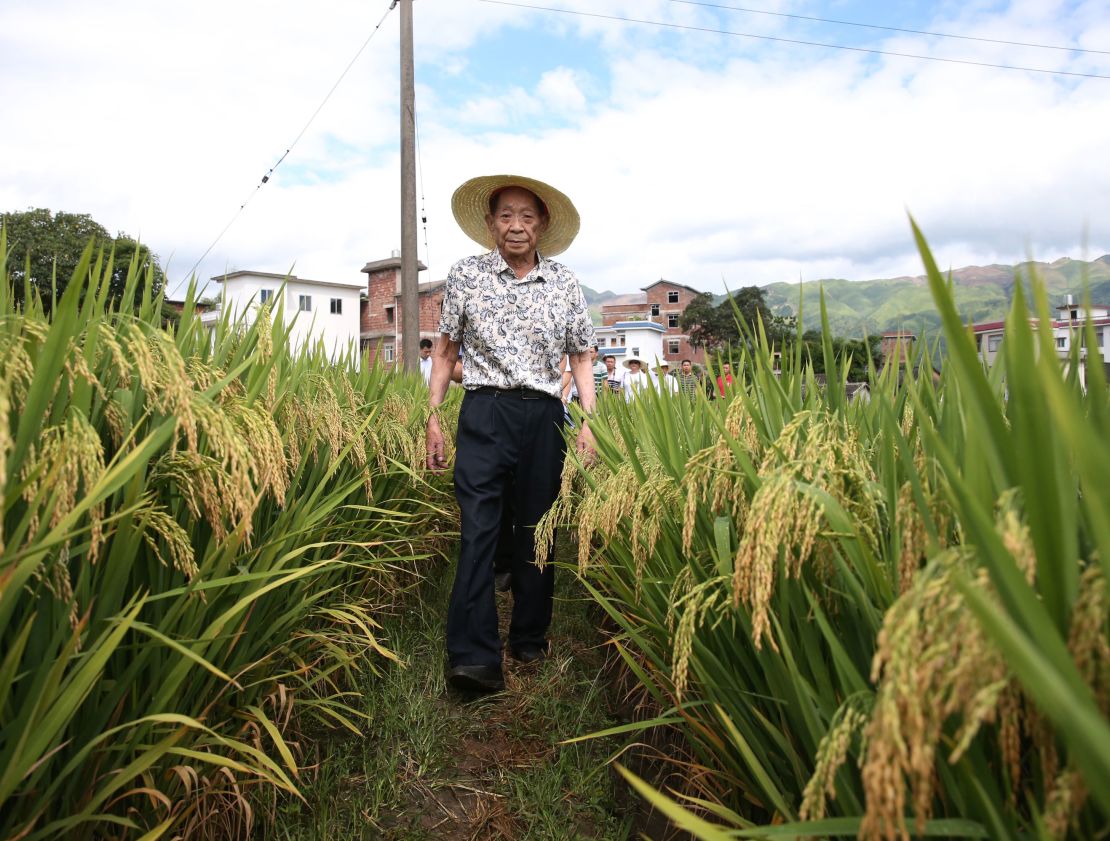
(855, 307)
(982, 293)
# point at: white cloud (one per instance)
(558, 90)
(714, 157)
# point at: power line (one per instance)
(270, 171)
(796, 41)
(890, 28)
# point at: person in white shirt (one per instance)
(634, 380)
(612, 375)
(663, 380)
(426, 360)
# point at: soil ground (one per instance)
(432, 764)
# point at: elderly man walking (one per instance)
(517, 311)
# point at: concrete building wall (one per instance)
(242, 293)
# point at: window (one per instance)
(1100, 339)
(265, 296)
(387, 352)
(672, 320)
(304, 303)
(672, 297)
(1061, 342)
(635, 351)
(655, 309)
(613, 343)
(673, 346)
(994, 343)
(978, 344)
(389, 314)
(337, 306)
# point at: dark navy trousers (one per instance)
(503, 438)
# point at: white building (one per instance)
(632, 338)
(1068, 329)
(317, 310)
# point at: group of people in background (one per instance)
(634, 376)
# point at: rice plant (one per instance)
(880, 619)
(197, 529)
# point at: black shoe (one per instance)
(476, 678)
(531, 653)
(502, 581)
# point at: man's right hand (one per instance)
(437, 458)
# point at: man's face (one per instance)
(425, 352)
(593, 355)
(610, 364)
(516, 223)
(687, 368)
(727, 368)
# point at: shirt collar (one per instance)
(541, 271)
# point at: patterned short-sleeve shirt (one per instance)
(515, 330)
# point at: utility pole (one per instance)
(410, 294)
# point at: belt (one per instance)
(519, 393)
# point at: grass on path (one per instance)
(431, 766)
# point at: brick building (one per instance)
(380, 314)
(663, 303)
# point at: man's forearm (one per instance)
(581, 369)
(444, 357)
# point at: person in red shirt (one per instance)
(725, 380)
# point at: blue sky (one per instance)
(694, 156)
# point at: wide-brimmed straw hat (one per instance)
(632, 359)
(470, 204)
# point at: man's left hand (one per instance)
(587, 447)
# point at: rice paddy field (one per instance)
(198, 530)
(882, 618)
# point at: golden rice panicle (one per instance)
(222, 427)
(907, 419)
(697, 603)
(198, 479)
(15, 361)
(656, 498)
(1015, 534)
(772, 523)
(69, 461)
(915, 537)
(681, 585)
(932, 663)
(267, 452)
(831, 755)
(1087, 637)
(77, 368)
(741, 426)
(789, 442)
(161, 526)
(604, 507)
(696, 478)
(1065, 800)
(265, 352)
(561, 513)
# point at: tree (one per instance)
(713, 327)
(858, 348)
(44, 241)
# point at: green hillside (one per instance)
(595, 299)
(983, 293)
